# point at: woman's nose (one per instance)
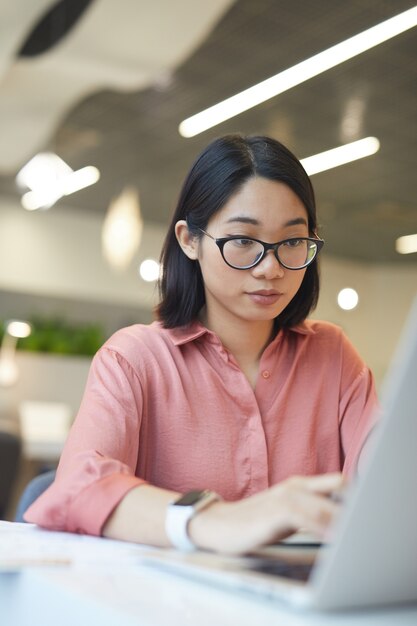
(269, 267)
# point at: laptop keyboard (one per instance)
(294, 571)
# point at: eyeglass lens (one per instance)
(295, 253)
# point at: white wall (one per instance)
(385, 296)
(46, 378)
(58, 253)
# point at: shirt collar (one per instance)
(304, 328)
(185, 334)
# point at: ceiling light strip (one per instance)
(299, 73)
(406, 244)
(340, 156)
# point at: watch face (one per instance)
(190, 498)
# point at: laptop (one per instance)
(371, 559)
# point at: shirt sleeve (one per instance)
(97, 466)
(358, 409)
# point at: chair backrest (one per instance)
(10, 447)
(32, 491)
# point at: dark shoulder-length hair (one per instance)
(216, 175)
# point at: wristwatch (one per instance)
(181, 511)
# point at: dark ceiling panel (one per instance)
(133, 138)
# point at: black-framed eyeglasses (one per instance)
(243, 253)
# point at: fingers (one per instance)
(242, 526)
(311, 502)
(326, 484)
(313, 511)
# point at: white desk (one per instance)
(107, 585)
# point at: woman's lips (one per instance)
(264, 296)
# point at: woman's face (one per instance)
(265, 210)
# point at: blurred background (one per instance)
(94, 144)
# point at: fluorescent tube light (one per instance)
(49, 178)
(341, 155)
(41, 198)
(406, 244)
(299, 73)
(42, 170)
(79, 179)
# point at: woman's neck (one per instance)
(245, 339)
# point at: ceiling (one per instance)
(130, 132)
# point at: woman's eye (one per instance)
(294, 243)
(243, 243)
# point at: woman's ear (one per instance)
(187, 241)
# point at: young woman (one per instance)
(231, 391)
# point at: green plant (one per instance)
(59, 336)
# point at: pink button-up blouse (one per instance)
(172, 408)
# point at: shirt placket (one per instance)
(256, 447)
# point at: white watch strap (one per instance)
(178, 518)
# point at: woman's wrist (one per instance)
(206, 528)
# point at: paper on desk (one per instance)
(23, 545)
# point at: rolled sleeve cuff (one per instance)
(89, 510)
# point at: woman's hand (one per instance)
(264, 518)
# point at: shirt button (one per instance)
(266, 374)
